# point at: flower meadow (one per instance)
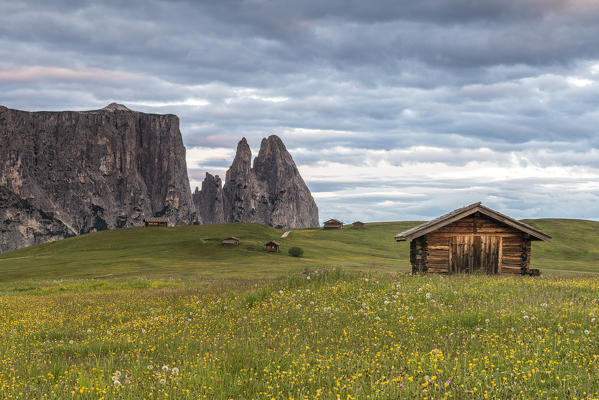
(320, 334)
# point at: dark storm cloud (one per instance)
(433, 82)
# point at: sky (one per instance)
(392, 110)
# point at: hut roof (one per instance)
(231, 238)
(333, 221)
(272, 242)
(460, 213)
(156, 219)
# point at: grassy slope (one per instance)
(195, 251)
(574, 247)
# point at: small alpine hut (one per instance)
(231, 241)
(358, 224)
(155, 221)
(472, 238)
(332, 224)
(272, 246)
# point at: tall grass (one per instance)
(315, 334)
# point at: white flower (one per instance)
(487, 321)
(586, 332)
(71, 341)
(118, 373)
(593, 319)
(308, 277)
(89, 331)
(163, 381)
(150, 367)
(117, 383)
(175, 371)
(165, 368)
(428, 295)
(115, 378)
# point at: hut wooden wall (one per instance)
(492, 241)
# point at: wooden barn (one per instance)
(154, 221)
(272, 246)
(231, 241)
(472, 238)
(358, 224)
(332, 224)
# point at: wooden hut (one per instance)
(358, 224)
(272, 246)
(472, 238)
(155, 221)
(231, 241)
(332, 224)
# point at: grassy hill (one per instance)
(195, 252)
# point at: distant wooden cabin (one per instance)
(155, 221)
(231, 241)
(470, 239)
(332, 224)
(358, 224)
(272, 246)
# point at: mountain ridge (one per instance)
(271, 192)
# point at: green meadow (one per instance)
(158, 313)
(195, 252)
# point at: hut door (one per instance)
(489, 256)
(470, 253)
(461, 252)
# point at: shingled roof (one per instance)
(460, 213)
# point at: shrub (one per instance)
(296, 252)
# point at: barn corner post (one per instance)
(418, 255)
(526, 250)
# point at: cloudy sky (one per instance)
(392, 110)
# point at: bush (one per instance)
(296, 252)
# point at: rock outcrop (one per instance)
(241, 190)
(285, 200)
(271, 193)
(209, 201)
(68, 173)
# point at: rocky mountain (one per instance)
(209, 201)
(272, 192)
(68, 173)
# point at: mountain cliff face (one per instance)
(68, 173)
(209, 201)
(271, 193)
